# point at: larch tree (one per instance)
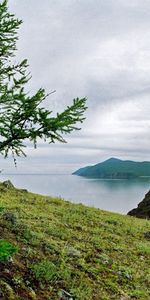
(24, 117)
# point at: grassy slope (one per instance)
(89, 253)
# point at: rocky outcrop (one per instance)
(8, 184)
(143, 209)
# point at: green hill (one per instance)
(114, 168)
(52, 249)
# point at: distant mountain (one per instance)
(115, 168)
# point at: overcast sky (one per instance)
(94, 48)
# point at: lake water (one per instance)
(112, 195)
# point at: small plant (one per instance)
(6, 250)
(2, 209)
(82, 291)
(144, 249)
(139, 294)
(17, 280)
(125, 272)
(112, 286)
(64, 270)
(44, 271)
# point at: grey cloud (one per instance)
(61, 37)
(99, 49)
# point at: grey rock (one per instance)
(24, 190)
(63, 295)
(147, 235)
(8, 184)
(72, 252)
(11, 217)
(143, 209)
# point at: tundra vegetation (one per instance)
(52, 249)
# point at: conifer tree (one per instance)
(24, 117)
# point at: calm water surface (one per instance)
(113, 195)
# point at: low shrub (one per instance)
(6, 250)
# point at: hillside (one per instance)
(52, 249)
(114, 168)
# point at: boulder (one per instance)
(8, 184)
(143, 209)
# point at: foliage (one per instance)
(22, 117)
(6, 250)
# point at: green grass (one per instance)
(45, 271)
(69, 248)
(6, 250)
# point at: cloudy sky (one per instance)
(94, 48)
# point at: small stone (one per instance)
(124, 297)
(142, 257)
(63, 295)
(71, 251)
(33, 201)
(11, 260)
(7, 271)
(79, 227)
(24, 190)
(147, 235)
(32, 294)
(11, 217)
